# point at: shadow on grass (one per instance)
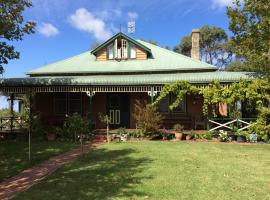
(14, 155)
(103, 174)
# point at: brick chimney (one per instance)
(195, 39)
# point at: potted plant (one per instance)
(51, 133)
(178, 131)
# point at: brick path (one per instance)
(29, 177)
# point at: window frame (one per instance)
(169, 101)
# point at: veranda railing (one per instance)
(231, 124)
(11, 123)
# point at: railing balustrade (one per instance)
(230, 123)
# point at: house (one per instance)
(110, 78)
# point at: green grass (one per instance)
(14, 155)
(162, 170)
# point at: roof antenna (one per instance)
(120, 28)
(131, 27)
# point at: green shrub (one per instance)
(262, 125)
(207, 135)
(178, 127)
(75, 125)
(148, 118)
(192, 135)
(122, 131)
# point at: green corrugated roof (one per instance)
(140, 79)
(163, 61)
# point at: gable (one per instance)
(121, 46)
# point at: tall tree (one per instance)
(213, 46)
(249, 22)
(12, 28)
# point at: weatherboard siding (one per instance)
(102, 55)
(141, 54)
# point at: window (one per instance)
(165, 103)
(124, 49)
(110, 52)
(60, 103)
(67, 103)
(75, 103)
(181, 107)
(132, 50)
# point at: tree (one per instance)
(12, 28)
(184, 47)
(249, 22)
(214, 46)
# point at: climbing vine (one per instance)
(255, 92)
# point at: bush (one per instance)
(223, 136)
(192, 135)
(262, 125)
(122, 131)
(207, 135)
(148, 118)
(75, 125)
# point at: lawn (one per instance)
(162, 170)
(14, 155)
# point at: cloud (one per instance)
(221, 3)
(132, 15)
(109, 14)
(84, 20)
(48, 30)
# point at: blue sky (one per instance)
(67, 27)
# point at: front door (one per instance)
(118, 110)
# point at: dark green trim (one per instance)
(94, 51)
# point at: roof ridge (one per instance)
(178, 54)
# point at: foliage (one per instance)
(252, 138)
(207, 135)
(167, 134)
(257, 91)
(75, 125)
(105, 119)
(135, 134)
(12, 28)
(213, 46)
(122, 131)
(184, 47)
(147, 118)
(192, 135)
(249, 22)
(178, 127)
(223, 136)
(262, 125)
(180, 89)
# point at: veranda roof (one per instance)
(162, 60)
(132, 79)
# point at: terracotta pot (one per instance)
(51, 136)
(187, 137)
(178, 136)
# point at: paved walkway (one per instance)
(29, 177)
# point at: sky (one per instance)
(66, 27)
